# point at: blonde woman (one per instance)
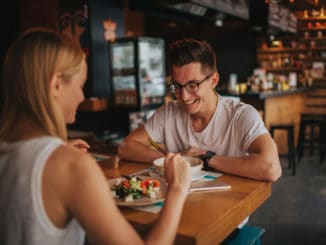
(50, 192)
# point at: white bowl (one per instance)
(195, 163)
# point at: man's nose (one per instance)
(184, 92)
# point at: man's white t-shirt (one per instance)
(233, 127)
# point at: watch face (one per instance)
(212, 153)
(206, 157)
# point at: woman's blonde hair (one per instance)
(30, 63)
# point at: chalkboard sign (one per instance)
(281, 18)
(271, 17)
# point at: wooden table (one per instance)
(208, 217)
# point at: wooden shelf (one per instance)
(268, 58)
(94, 104)
(317, 18)
(320, 84)
(320, 79)
(288, 69)
(312, 39)
(302, 55)
(298, 38)
(285, 50)
(315, 59)
(312, 28)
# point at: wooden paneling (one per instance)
(316, 101)
(283, 110)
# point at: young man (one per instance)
(230, 136)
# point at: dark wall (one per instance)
(234, 44)
(236, 53)
(98, 62)
(9, 23)
(98, 11)
(9, 26)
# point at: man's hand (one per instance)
(193, 152)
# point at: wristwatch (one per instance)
(208, 155)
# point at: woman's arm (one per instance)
(84, 193)
(177, 173)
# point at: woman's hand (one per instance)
(177, 172)
(79, 144)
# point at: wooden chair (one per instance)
(291, 148)
(248, 235)
(312, 120)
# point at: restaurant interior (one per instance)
(270, 54)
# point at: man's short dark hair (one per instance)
(188, 50)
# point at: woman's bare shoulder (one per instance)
(70, 177)
(69, 162)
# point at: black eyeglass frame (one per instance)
(177, 85)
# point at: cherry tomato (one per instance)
(126, 184)
(156, 183)
(143, 187)
(147, 182)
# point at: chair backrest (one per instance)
(316, 101)
(313, 117)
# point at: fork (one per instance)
(157, 146)
(135, 174)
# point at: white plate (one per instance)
(100, 157)
(195, 176)
(143, 201)
(198, 175)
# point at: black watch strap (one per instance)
(208, 155)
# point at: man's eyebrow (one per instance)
(190, 81)
(194, 80)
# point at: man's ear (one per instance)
(55, 84)
(215, 79)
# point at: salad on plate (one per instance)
(137, 190)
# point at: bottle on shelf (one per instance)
(322, 12)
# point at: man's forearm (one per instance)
(252, 166)
(135, 151)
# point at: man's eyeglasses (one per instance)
(192, 86)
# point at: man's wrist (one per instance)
(206, 157)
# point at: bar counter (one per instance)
(279, 107)
(269, 94)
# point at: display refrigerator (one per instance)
(138, 81)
